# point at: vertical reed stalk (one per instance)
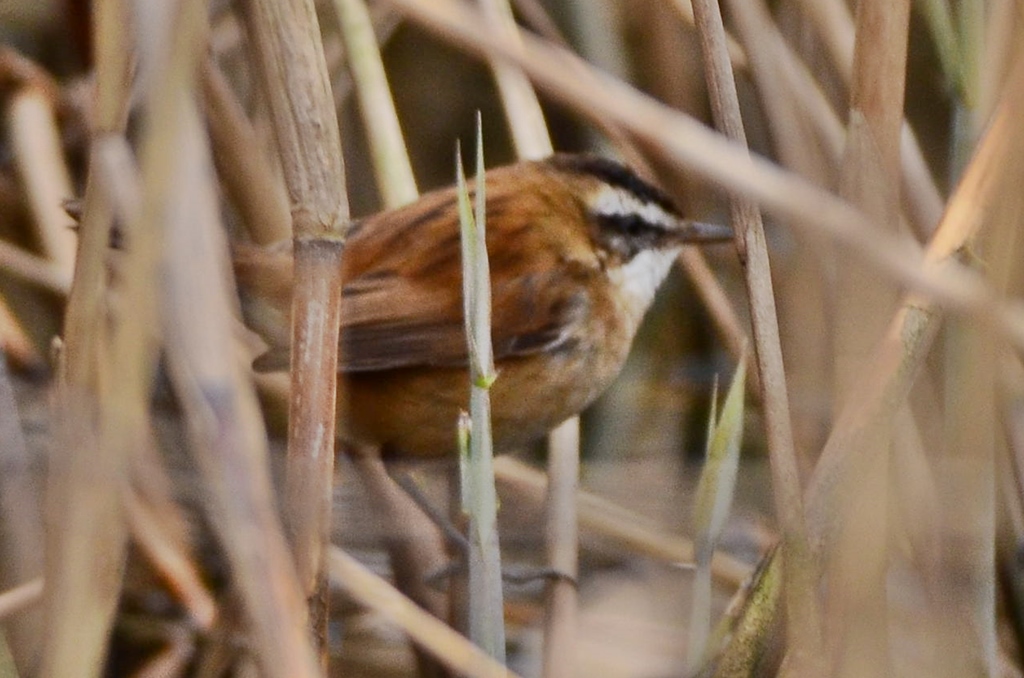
(286, 37)
(801, 573)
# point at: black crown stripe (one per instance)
(614, 174)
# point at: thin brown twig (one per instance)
(800, 575)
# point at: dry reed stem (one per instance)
(414, 543)
(561, 539)
(395, 179)
(967, 466)
(89, 523)
(965, 590)
(170, 558)
(171, 660)
(869, 175)
(16, 600)
(869, 178)
(835, 26)
(609, 522)
(83, 314)
(39, 158)
(290, 59)
(787, 93)
(252, 187)
(222, 412)
(690, 145)
(793, 100)
(413, 540)
(1011, 394)
(446, 645)
(21, 527)
(1004, 23)
(34, 269)
(800, 576)
(525, 117)
(15, 341)
(874, 400)
(532, 141)
(737, 55)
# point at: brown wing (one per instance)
(405, 310)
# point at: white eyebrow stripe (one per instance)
(612, 201)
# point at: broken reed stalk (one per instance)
(690, 145)
(801, 574)
(480, 499)
(290, 60)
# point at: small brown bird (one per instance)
(578, 246)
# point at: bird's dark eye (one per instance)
(634, 226)
(627, 233)
(630, 225)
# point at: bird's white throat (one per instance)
(640, 277)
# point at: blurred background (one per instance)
(644, 440)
